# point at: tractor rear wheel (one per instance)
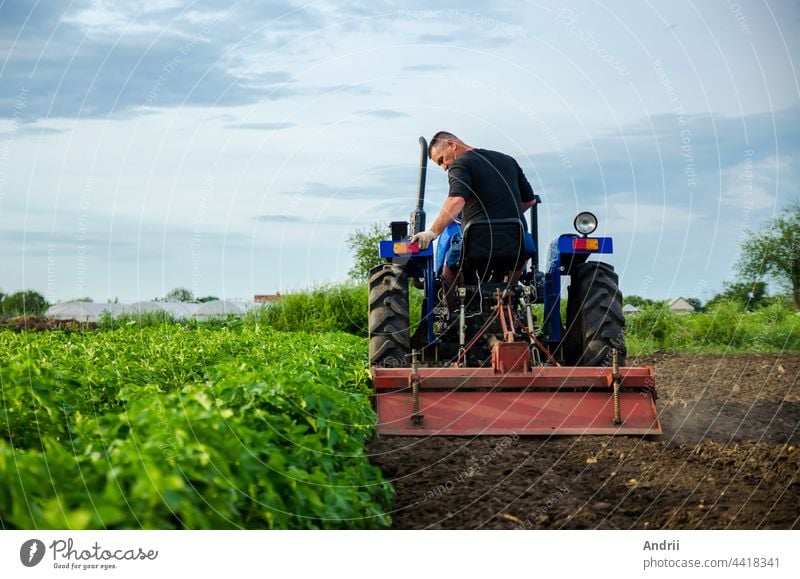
(389, 340)
(595, 323)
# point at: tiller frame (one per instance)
(513, 396)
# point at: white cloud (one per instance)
(199, 17)
(753, 185)
(112, 18)
(629, 216)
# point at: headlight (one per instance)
(585, 223)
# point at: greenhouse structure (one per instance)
(92, 312)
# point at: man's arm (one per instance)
(525, 190)
(450, 210)
(460, 188)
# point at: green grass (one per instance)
(332, 308)
(725, 327)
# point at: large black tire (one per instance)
(389, 340)
(595, 323)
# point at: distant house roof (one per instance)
(680, 305)
(267, 298)
(629, 309)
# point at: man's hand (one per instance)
(423, 239)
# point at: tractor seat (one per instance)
(492, 249)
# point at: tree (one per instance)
(751, 294)
(179, 294)
(696, 304)
(774, 253)
(637, 301)
(364, 245)
(24, 303)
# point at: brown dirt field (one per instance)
(728, 459)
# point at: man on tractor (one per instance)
(487, 366)
(483, 185)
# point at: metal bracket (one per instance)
(615, 376)
(416, 416)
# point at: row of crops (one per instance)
(187, 427)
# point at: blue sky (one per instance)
(231, 147)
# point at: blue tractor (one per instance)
(487, 366)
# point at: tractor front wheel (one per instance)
(595, 323)
(389, 340)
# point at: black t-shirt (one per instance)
(492, 184)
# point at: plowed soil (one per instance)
(728, 459)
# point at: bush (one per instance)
(24, 303)
(653, 327)
(725, 326)
(774, 327)
(333, 308)
(720, 325)
(141, 320)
